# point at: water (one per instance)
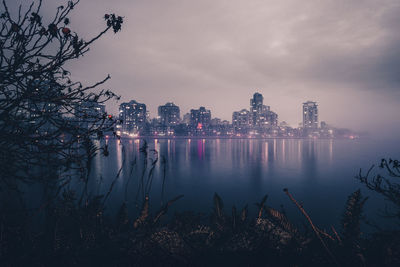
(319, 173)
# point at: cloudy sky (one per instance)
(344, 54)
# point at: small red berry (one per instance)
(66, 31)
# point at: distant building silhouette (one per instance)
(241, 121)
(133, 116)
(200, 118)
(215, 122)
(89, 113)
(272, 118)
(261, 116)
(40, 107)
(257, 110)
(186, 119)
(169, 114)
(310, 116)
(257, 122)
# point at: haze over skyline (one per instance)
(217, 53)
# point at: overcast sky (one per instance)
(344, 54)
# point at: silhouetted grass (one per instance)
(74, 234)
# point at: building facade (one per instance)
(261, 117)
(169, 115)
(90, 114)
(310, 116)
(257, 110)
(241, 121)
(37, 110)
(133, 116)
(200, 118)
(272, 118)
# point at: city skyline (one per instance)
(259, 121)
(181, 115)
(339, 53)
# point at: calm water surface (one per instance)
(319, 173)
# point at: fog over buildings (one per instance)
(343, 54)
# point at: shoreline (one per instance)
(228, 137)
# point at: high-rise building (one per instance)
(133, 116)
(40, 111)
(310, 115)
(261, 116)
(186, 119)
(257, 110)
(241, 120)
(169, 114)
(90, 113)
(272, 118)
(215, 122)
(200, 118)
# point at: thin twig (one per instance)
(315, 229)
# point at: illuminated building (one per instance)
(169, 114)
(310, 116)
(200, 118)
(133, 116)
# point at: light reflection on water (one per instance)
(319, 173)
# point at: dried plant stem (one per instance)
(336, 234)
(144, 213)
(116, 177)
(164, 209)
(324, 233)
(164, 163)
(129, 179)
(315, 229)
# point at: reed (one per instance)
(84, 234)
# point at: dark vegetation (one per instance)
(70, 232)
(44, 142)
(40, 122)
